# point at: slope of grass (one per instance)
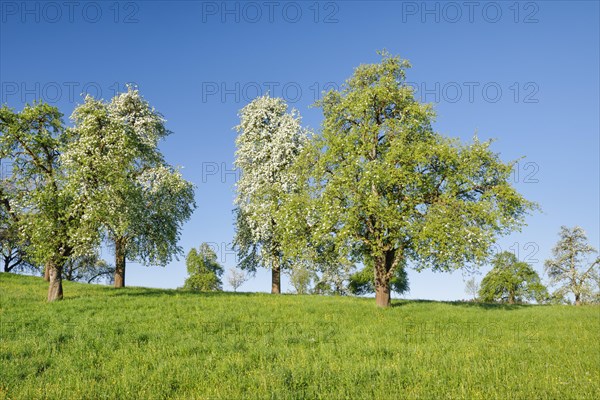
(136, 343)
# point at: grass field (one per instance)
(138, 343)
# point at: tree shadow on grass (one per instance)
(467, 304)
(403, 302)
(148, 292)
(488, 306)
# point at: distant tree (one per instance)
(385, 186)
(300, 278)
(571, 268)
(597, 281)
(472, 288)
(270, 138)
(511, 281)
(88, 269)
(236, 278)
(333, 278)
(322, 288)
(13, 242)
(203, 269)
(594, 296)
(363, 281)
(9, 233)
(132, 196)
(557, 298)
(13, 254)
(329, 271)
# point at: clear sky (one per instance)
(526, 74)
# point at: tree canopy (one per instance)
(571, 268)
(204, 270)
(511, 281)
(384, 185)
(236, 278)
(42, 206)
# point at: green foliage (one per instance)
(363, 281)
(322, 288)
(383, 185)
(571, 269)
(329, 270)
(301, 278)
(204, 270)
(40, 204)
(13, 247)
(557, 298)
(139, 343)
(248, 250)
(512, 281)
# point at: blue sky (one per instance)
(526, 74)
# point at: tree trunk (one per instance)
(382, 283)
(276, 278)
(382, 295)
(55, 290)
(577, 299)
(511, 298)
(120, 263)
(47, 272)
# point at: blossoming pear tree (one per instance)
(133, 197)
(269, 141)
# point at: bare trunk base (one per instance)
(383, 266)
(382, 296)
(55, 289)
(119, 263)
(275, 280)
(120, 277)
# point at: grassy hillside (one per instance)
(139, 343)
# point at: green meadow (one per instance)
(139, 343)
